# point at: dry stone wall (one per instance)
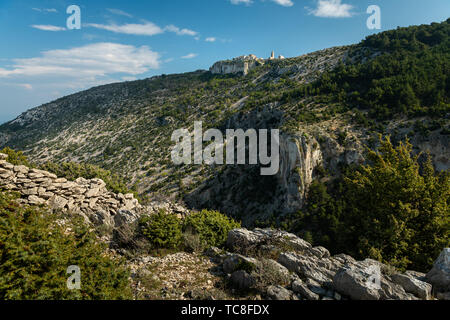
(82, 195)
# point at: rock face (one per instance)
(242, 64)
(315, 274)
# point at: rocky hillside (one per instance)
(255, 265)
(321, 102)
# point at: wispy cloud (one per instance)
(284, 3)
(180, 32)
(90, 61)
(190, 56)
(332, 9)
(26, 86)
(246, 2)
(119, 12)
(51, 10)
(210, 39)
(144, 29)
(48, 27)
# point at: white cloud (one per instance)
(284, 3)
(25, 85)
(119, 12)
(210, 39)
(145, 29)
(190, 56)
(91, 61)
(246, 2)
(47, 27)
(52, 10)
(332, 9)
(180, 32)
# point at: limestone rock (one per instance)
(242, 280)
(279, 293)
(413, 285)
(57, 202)
(123, 217)
(235, 261)
(244, 237)
(300, 288)
(439, 275)
(354, 281)
(34, 200)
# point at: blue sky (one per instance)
(41, 59)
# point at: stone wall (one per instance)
(82, 195)
(86, 197)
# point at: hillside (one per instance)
(260, 264)
(360, 200)
(328, 105)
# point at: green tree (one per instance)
(393, 212)
(36, 249)
(212, 226)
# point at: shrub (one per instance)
(72, 171)
(211, 226)
(163, 230)
(35, 252)
(16, 157)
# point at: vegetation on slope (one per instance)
(393, 210)
(36, 250)
(410, 74)
(198, 231)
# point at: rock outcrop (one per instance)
(315, 274)
(242, 64)
(439, 275)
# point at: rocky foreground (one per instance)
(258, 264)
(276, 265)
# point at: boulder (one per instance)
(439, 275)
(355, 281)
(279, 293)
(123, 217)
(309, 267)
(239, 238)
(238, 262)
(413, 285)
(299, 287)
(242, 280)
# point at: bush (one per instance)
(163, 230)
(16, 157)
(72, 171)
(35, 252)
(211, 226)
